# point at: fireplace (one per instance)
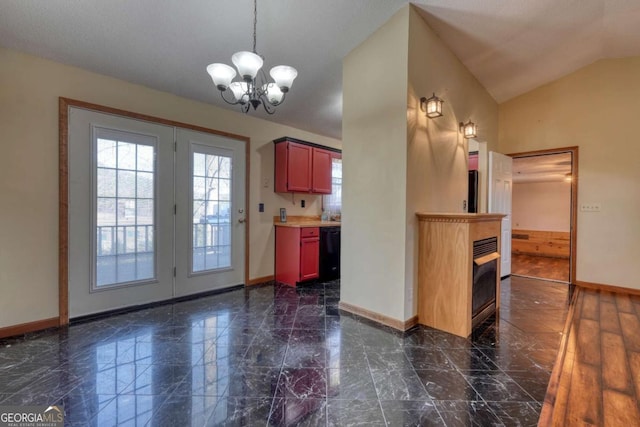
(485, 270)
(458, 270)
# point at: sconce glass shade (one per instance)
(273, 93)
(469, 129)
(432, 106)
(221, 74)
(247, 63)
(283, 75)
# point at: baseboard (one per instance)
(410, 322)
(25, 328)
(153, 304)
(608, 288)
(379, 318)
(261, 280)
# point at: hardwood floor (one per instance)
(540, 267)
(596, 380)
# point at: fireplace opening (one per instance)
(485, 270)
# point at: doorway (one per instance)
(154, 210)
(544, 214)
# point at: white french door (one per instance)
(210, 218)
(155, 212)
(500, 190)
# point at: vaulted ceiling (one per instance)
(510, 46)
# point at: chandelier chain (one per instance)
(255, 23)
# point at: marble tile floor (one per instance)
(273, 355)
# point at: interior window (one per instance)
(333, 201)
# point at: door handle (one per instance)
(241, 220)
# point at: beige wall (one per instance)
(595, 108)
(544, 206)
(437, 154)
(29, 91)
(374, 135)
(398, 162)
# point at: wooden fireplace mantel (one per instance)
(445, 267)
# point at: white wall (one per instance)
(29, 91)
(544, 206)
(595, 108)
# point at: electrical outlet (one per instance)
(265, 182)
(302, 203)
(464, 205)
(590, 207)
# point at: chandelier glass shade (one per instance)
(253, 89)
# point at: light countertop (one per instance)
(304, 221)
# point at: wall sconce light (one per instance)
(432, 106)
(469, 129)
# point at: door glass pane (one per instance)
(211, 190)
(125, 202)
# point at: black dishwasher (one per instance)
(329, 253)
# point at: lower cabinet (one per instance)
(297, 254)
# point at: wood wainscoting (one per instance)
(542, 243)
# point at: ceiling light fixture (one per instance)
(254, 89)
(469, 129)
(432, 106)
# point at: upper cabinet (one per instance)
(302, 167)
(321, 171)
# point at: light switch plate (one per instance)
(590, 207)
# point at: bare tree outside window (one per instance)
(211, 212)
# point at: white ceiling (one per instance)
(510, 46)
(543, 168)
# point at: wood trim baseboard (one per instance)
(607, 288)
(63, 212)
(24, 328)
(379, 318)
(546, 415)
(261, 280)
(410, 322)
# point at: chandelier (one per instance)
(253, 89)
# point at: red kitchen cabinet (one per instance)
(301, 167)
(297, 254)
(293, 167)
(310, 255)
(321, 172)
